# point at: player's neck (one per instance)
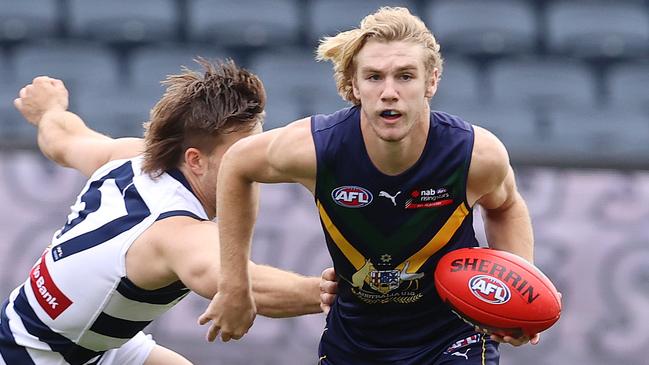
(200, 192)
(395, 157)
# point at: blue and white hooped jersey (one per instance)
(77, 301)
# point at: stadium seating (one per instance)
(329, 105)
(483, 27)
(22, 20)
(150, 65)
(5, 69)
(116, 111)
(248, 23)
(516, 126)
(521, 68)
(348, 14)
(598, 29)
(628, 85)
(14, 131)
(74, 62)
(542, 83)
(460, 83)
(607, 137)
(123, 20)
(294, 83)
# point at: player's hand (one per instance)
(514, 341)
(517, 341)
(231, 313)
(44, 94)
(328, 289)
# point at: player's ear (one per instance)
(195, 161)
(431, 83)
(357, 94)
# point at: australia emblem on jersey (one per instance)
(429, 198)
(383, 286)
(384, 281)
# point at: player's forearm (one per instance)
(237, 204)
(280, 293)
(56, 133)
(510, 229)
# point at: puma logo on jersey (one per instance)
(387, 195)
(459, 354)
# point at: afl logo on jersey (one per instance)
(489, 289)
(351, 196)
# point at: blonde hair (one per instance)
(386, 24)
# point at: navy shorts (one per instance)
(468, 349)
(475, 349)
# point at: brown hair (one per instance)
(196, 109)
(386, 24)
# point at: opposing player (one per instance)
(139, 236)
(395, 184)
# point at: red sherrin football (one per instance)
(498, 291)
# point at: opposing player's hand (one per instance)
(44, 94)
(231, 314)
(328, 289)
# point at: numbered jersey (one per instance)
(77, 300)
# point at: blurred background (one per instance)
(563, 83)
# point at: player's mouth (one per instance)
(390, 114)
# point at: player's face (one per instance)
(393, 86)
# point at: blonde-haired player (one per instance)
(395, 184)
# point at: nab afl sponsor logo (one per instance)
(489, 289)
(351, 196)
(429, 198)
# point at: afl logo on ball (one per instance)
(489, 289)
(351, 196)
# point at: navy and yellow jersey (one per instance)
(386, 235)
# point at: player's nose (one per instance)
(389, 91)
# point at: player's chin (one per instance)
(392, 134)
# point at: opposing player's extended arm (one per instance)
(189, 250)
(280, 293)
(62, 135)
(492, 183)
(282, 155)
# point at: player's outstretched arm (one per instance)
(282, 155)
(279, 293)
(63, 137)
(188, 250)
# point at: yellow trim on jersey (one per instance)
(440, 239)
(352, 254)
